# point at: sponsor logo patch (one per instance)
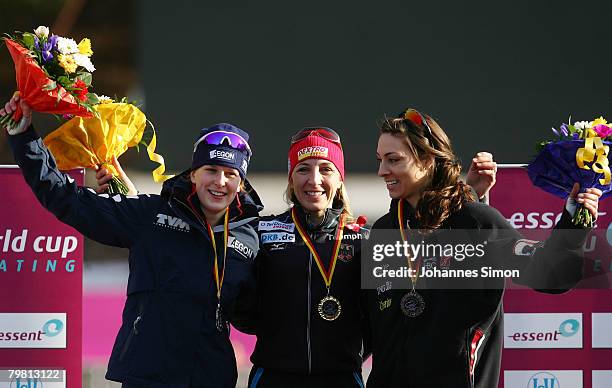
(526, 247)
(267, 238)
(243, 249)
(276, 225)
(346, 252)
(224, 155)
(170, 222)
(276, 246)
(313, 152)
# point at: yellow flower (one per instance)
(598, 121)
(67, 62)
(85, 47)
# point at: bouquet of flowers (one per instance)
(579, 154)
(94, 141)
(53, 74)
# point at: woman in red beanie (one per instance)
(309, 322)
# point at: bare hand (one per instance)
(482, 173)
(589, 199)
(10, 107)
(103, 176)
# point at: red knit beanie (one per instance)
(315, 146)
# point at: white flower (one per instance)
(582, 125)
(84, 61)
(42, 32)
(104, 99)
(67, 46)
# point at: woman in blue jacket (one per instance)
(191, 254)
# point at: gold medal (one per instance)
(329, 307)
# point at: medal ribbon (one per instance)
(211, 234)
(400, 219)
(329, 273)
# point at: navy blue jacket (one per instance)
(168, 337)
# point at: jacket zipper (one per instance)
(133, 332)
(309, 312)
(195, 215)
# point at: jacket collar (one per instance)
(329, 222)
(409, 213)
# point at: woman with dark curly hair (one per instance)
(426, 334)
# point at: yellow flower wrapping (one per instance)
(90, 142)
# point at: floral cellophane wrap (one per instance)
(31, 83)
(91, 142)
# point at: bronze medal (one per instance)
(220, 322)
(412, 304)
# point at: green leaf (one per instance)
(64, 81)
(85, 77)
(59, 97)
(50, 86)
(92, 99)
(28, 40)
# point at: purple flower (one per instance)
(564, 130)
(36, 45)
(46, 52)
(53, 41)
(555, 131)
(575, 136)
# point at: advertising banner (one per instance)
(41, 290)
(555, 340)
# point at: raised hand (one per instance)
(589, 199)
(482, 173)
(103, 176)
(10, 107)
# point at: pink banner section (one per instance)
(553, 341)
(41, 289)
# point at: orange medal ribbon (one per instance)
(400, 219)
(211, 234)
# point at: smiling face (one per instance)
(315, 183)
(405, 176)
(216, 187)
